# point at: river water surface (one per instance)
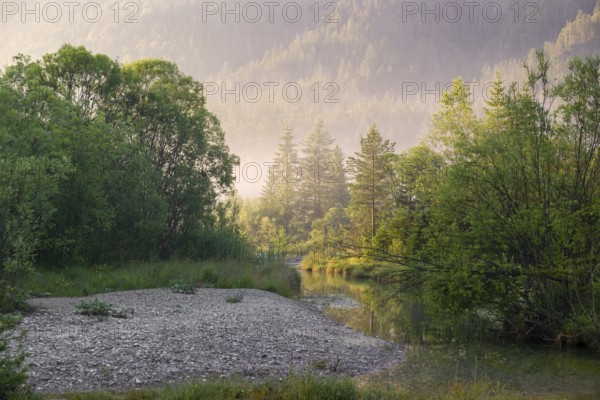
(433, 359)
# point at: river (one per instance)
(433, 359)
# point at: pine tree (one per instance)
(494, 103)
(338, 190)
(278, 195)
(456, 121)
(317, 153)
(372, 170)
(288, 169)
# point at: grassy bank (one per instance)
(298, 388)
(353, 267)
(84, 281)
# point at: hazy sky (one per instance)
(352, 63)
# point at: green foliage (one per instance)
(27, 186)
(13, 372)
(418, 171)
(328, 233)
(491, 220)
(507, 234)
(181, 138)
(100, 309)
(104, 162)
(12, 299)
(455, 124)
(94, 307)
(372, 189)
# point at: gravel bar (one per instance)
(174, 337)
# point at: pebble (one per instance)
(263, 335)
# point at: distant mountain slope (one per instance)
(373, 40)
(579, 36)
(179, 30)
(373, 57)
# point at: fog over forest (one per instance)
(351, 63)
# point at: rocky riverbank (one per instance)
(173, 337)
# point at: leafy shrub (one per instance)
(13, 374)
(12, 299)
(100, 309)
(236, 298)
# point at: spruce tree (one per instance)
(287, 177)
(338, 183)
(370, 192)
(313, 190)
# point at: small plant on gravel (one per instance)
(95, 307)
(335, 366)
(184, 288)
(100, 309)
(320, 364)
(106, 372)
(236, 298)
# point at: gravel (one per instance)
(174, 337)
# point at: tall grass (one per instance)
(84, 281)
(296, 387)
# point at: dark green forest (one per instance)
(105, 162)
